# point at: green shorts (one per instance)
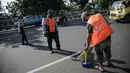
(105, 47)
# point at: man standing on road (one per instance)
(51, 32)
(98, 33)
(22, 31)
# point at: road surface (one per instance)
(36, 58)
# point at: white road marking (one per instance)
(55, 62)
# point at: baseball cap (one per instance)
(89, 12)
(84, 14)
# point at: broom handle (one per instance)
(85, 53)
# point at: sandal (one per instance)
(99, 68)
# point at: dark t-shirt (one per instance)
(89, 28)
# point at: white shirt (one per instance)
(19, 30)
(43, 25)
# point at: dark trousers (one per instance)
(50, 37)
(24, 38)
(105, 47)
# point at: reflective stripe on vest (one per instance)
(97, 27)
(51, 23)
(101, 29)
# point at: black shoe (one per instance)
(59, 49)
(23, 44)
(110, 65)
(28, 43)
(52, 52)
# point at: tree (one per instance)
(73, 6)
(0, 6)
(102, 3)
(34, 6)
(13, 7)
(87, 7)
(82, 3)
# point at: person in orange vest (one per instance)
(51, 31)
(99, 35)
(21, 30)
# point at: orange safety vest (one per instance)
(51, 23)
(101, 29)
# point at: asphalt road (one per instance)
(36, 58)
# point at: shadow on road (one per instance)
(127, 70)
(36, 41)
(64, 52)
(118, 61)
(45, 48)
(14, 39)
(106, 71)
(15, 46)
(39, 47)
(117, 67)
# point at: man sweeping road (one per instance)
(99, 34)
